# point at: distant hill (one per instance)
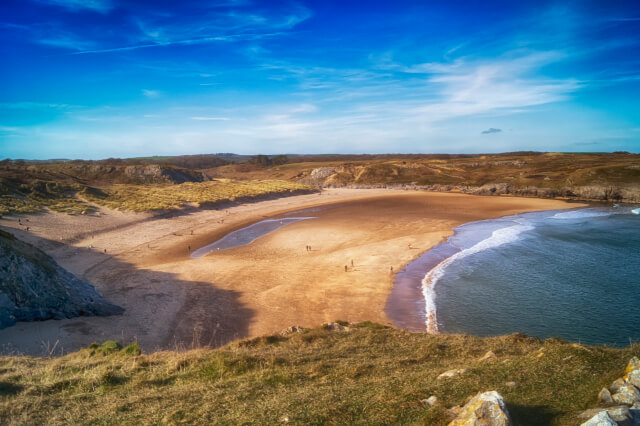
(33, 287)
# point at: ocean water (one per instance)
(571, 274)
(246, 235)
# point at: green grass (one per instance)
(369, 375)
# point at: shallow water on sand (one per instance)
(246, 235)
(572, 274)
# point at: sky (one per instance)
(95, 79)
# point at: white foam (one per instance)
(580, 214)
(635, 211)
(498, 237)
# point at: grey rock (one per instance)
(627, 394)
(600, 419)
(604, 397)
(617, 384)
(33, 287)
(486, 408)
(634, 378)
(634, 364)
(620, 414)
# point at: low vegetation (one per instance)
(140, 198)
(32, 197)
(75, 198)
(368, 375)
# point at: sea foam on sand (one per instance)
(497, 238)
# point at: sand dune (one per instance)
(173, 301)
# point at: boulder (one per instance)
(453, 412)
(619, 414)
(486, 408)
(600, 419)
(452, 373)
(634, 378)
(604, 397)
(627, 394)
(617, 384)
(634, 364)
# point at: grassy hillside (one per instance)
(62, 185)
(367, 375)
(18, 196)
(161, 197)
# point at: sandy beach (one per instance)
(175, 302)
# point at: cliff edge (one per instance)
(33, 287)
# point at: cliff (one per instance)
(33, 287)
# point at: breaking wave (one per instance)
(580, 214)
(498, 237)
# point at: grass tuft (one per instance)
(370, 374)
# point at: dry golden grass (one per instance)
(70, 199)
(141, 198)
(369, 375)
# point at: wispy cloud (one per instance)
(204, 27)
(66, 41)
(151, 94)
(101, 6)
(34, 105)
(200, 118)
(491, 130)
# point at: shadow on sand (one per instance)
(162, 312)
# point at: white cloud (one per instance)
(304, 108)
(200, 118)
(151, 94)
(101, 6)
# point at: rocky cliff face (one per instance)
(33, 287)
(386, 177)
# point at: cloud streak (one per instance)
(201, 118)
(491, 130)
(100, 6)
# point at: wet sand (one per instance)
(175, 302)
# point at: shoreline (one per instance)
(173, 303)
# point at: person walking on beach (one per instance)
(391, 269)
(352, 263)
(189, 248)
(346, 268)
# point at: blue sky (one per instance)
(113, 78)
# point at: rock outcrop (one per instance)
(389, 176)
(623, 391)
(486, 408)
(601, 419)
(33, 287)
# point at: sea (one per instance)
(572, 274)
